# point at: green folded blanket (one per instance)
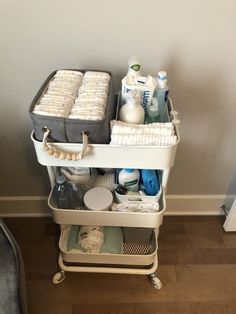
(113, 240)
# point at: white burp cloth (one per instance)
(91, 238)
(136, 206)
(143, 140)
(153, 134)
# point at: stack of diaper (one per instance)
(60, 95)
(92, 97)
(152, 134)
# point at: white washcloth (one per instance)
(91, 238)
(153, 134)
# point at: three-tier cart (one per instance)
(140, 259)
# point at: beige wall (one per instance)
(194, 40)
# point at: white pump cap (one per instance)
(162, 79)
(134, 97)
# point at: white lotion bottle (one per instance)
(129, 178)
(132, 111)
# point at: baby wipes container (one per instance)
(98, 198)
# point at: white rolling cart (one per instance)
(135, 259)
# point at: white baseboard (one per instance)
(196, 204)
(36, 206)
(24, 206)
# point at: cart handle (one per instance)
(57, 153)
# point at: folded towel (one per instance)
(113, 240)
(153, 134)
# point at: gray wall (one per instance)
(194, 40)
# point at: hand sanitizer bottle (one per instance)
(132, 111)
(162, 92)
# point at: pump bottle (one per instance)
(162, 92)
(132, 111)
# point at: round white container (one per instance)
(98, 198)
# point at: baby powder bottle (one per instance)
(132, 111)
(129, 81)
(129, 178)
(134, 67)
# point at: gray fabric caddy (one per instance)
(66, 130)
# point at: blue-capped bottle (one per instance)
(162, 92)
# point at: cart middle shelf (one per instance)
(108, 218)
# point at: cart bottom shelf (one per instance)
(109, 269)
(141, 254)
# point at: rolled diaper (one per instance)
(91, 238)
(113, 240)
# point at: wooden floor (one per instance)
(197, 268)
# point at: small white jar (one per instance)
(98, 199)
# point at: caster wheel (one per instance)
(156, 283)
(58, 277)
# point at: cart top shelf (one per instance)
(110, 156)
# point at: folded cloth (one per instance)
(136, 206)
(153, 134)
(91, 238)
(113, 240)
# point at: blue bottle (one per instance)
(150, 181)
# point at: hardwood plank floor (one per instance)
(197, 266)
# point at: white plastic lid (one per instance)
(162, 75)
(61, 179)
(98, 198)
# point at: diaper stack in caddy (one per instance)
(72, 103)
(74, 95)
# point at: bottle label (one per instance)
(166, 95)
(130, 183)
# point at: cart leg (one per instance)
(155, 281)
(165, 178)
(58, 277)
